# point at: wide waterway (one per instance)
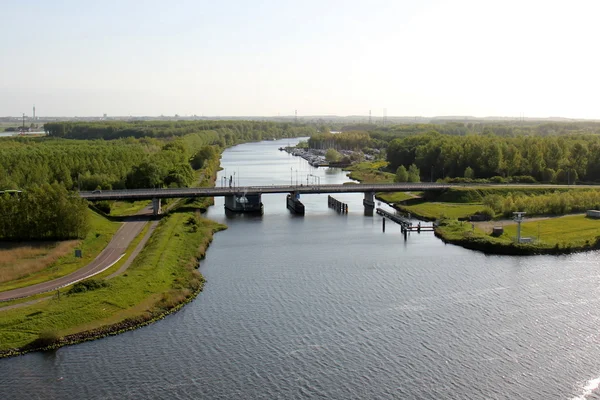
(329, 306)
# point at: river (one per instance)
(329, 306)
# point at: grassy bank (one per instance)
(126, 208)
(162, 278)
(560, 235)
(59, 259)
(370, 172)
(432, 211)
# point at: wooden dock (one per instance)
(405, 224)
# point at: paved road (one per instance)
(110, 255)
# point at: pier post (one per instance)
(383, 219)
(156, 208)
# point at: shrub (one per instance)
(523, 179)
(87, 285)
(104, 206)
(46, 338)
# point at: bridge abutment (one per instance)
(244, 203)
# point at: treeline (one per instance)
(227, 132)
(561, 159)
(354, 140)
(88, 165)
(44, 212)
(506, 129)
(558, 203)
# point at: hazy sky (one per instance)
(217, 58)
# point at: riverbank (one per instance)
(552, 235)
(161, 279)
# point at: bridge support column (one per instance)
(369, 201)
(293, 203)
(156, 208)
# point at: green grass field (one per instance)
(126, 208)
(398, 197)
(571, 230)
(557, 235)
(432, 210)
(100, 234)
(158, 277)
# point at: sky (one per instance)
(320, 57)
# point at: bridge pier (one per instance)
(293, 203)
(156, 207)
(244, 203)
(369, 201)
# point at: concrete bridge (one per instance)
(248, 198)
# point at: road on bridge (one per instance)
(147, 194)
(110, 255)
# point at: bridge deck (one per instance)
(146, 194)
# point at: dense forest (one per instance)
(107, 155)
(227, 132)
(554, 152)
(46, 212)
(560, 159)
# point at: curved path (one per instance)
(109, 256)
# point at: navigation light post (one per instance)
(518, 218)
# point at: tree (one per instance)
(145, 175)
(469, 174)
(414, 175)
(205, 153)
(332, 155)
(548, 175)
(401, 174)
